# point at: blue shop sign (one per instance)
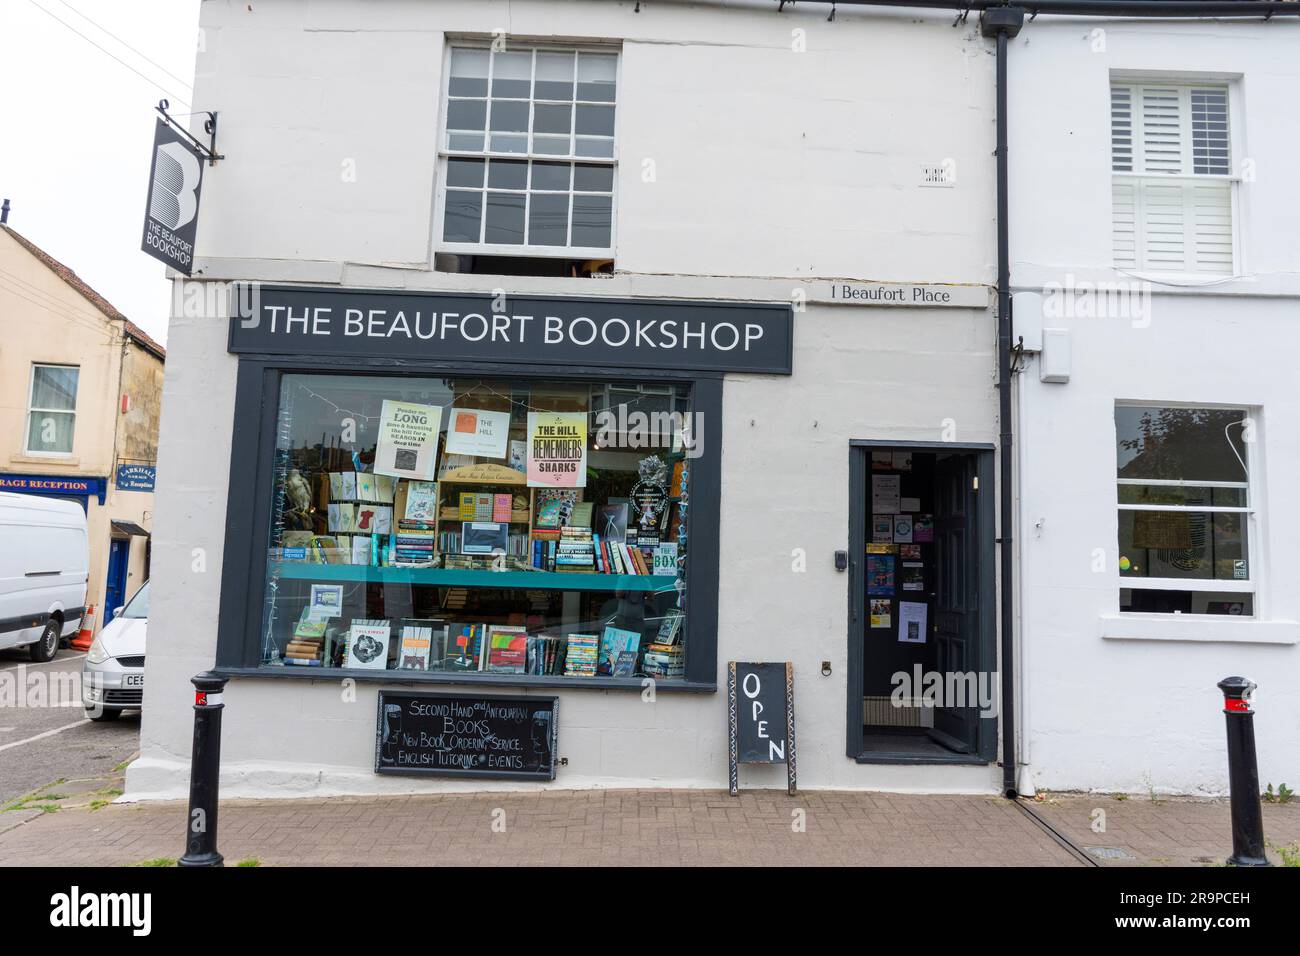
(55, 486)
(136, 477)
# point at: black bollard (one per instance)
(205, 773)
(1243, 774)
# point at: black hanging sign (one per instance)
(171, 218)
(466, 736)
(591, 331)
(760, 717)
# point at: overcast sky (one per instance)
(76, 129)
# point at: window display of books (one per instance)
(498, 476)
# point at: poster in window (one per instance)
(886, 494)
(408, 440)
(911, 622)
(478, 432)
(557, 449)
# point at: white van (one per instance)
(44, 566)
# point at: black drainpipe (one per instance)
(1003, 23)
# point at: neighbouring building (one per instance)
(1157, 290)
(80, 395)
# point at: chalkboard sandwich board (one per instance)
(760, 718)
(455, 735)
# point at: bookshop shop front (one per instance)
(472, 542)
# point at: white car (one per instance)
(112, 679)
(44, 563)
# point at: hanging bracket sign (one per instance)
(760, 718)
(171, 216)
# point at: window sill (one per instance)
(470, 678)
(1196, 628)
(52, 459)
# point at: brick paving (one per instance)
(1166, 831)
(643, 827)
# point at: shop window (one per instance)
(1185, 509)
(479, 528)
(1174, 191)
(527, 156)
(52, 409)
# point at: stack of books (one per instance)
(575, 551)
(616, 557)
(413, 543)
(308, 640)
(664, 660)
(580, 658)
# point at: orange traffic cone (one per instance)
(87, 633)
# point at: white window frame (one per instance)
(444, 153)
(1250, 585)
(32, 410)
(1140, 178)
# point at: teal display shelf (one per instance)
(442, 577)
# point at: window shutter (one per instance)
(1121, 129)
(1168, 215)
(1212, 227)
(1164, 226)
(1124, 217)
(1161, 131)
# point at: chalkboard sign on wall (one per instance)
(760, 717)
(466, 736)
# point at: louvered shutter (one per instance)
(1162, 139)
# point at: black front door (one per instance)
(955, 629)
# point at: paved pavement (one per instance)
(639, 827)
(44, 734)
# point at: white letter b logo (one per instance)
(176, 177)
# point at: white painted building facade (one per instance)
(1196, 311)
(757, 160)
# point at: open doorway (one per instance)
(922, 682)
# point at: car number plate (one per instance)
(133, 680)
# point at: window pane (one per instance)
(594, 146)
(509, 116)
(466, 114)
(465, 172)
(593, 179)
(470, 142)
(469, 70)
(594, 120)
(551, 145)
(1146, 601)
(509, 143)
(512, 74)
(554, 76)
(508, 174)
(548, 219)
(552, 176)
(1183, 544)
(50, 432)
(463, 216)
(552, 119)
(55, 387)
(472, 571)
(505, 218)
(591, 220)
(1187, 495)
(596, 77)
(1189, 444)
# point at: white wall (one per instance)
(769, 163)
(1112, 712)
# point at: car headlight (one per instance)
(97, 654)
